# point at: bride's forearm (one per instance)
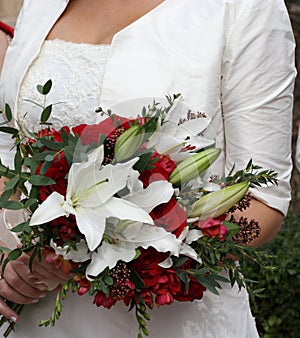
(269, 219)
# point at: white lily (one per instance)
(171, 137)
(80, 254)
(156, 193)
(187, 237)
(123, 240)
(90, 197)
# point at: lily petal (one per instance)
(108, 255)
(156, 193)
(91, 223)
(50, 209)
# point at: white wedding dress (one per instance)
(76, 71)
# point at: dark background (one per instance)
(294, 10)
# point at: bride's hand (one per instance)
(18, 285)
(44, 271)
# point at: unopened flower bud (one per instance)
(193, 166)
(128, 143)
(218, 202)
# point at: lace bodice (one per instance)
(76, 71)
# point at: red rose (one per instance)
(195, 291)
(146, 266)
(170, 216)
(58, 170)
(213, 227)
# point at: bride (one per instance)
(232, 59)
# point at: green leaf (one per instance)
(18, 160)
(42, 156)
(9, 130)
(14, 254)
(46, 114)
(45, 167)
(11, 205)
(47, 87)
(51, 144)
(8, 112)
(12, 183)
(30, 202)
(44, 89)
(40, 180)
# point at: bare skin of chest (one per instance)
(97, 21)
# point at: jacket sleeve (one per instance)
(257, 94)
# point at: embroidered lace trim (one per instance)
(76, 71)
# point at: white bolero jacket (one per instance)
(232, 59)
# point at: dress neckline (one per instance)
(76, 44)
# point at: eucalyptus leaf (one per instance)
(46, 114)
(11, 205)
(12, 183)
(47, 87)
(14, 254)
(9, 130)
(41, 180)
(8, 112)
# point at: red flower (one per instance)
(147, 298)
(58, 170)
(166, 288)
(146, 266)
(55, 135)
(162, 168)
(84, 287)
(213, 227)
(101, 299)
(90, 133)
(170, 216)
(65, 228)
(195, 291)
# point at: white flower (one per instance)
(80, 254)
(170, 138)
(124, 238)
(187, 237)
(156, 193)
(91, 198)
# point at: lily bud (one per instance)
(193, 166)
(128, 143)
(218, 202)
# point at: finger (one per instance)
(7, 312)
(6, 291)
(16, 276)
(44, 270)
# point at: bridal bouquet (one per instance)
(128, 208)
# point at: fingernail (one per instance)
(43, 295)
(35, 301)
(41, 287)
(13, 319)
